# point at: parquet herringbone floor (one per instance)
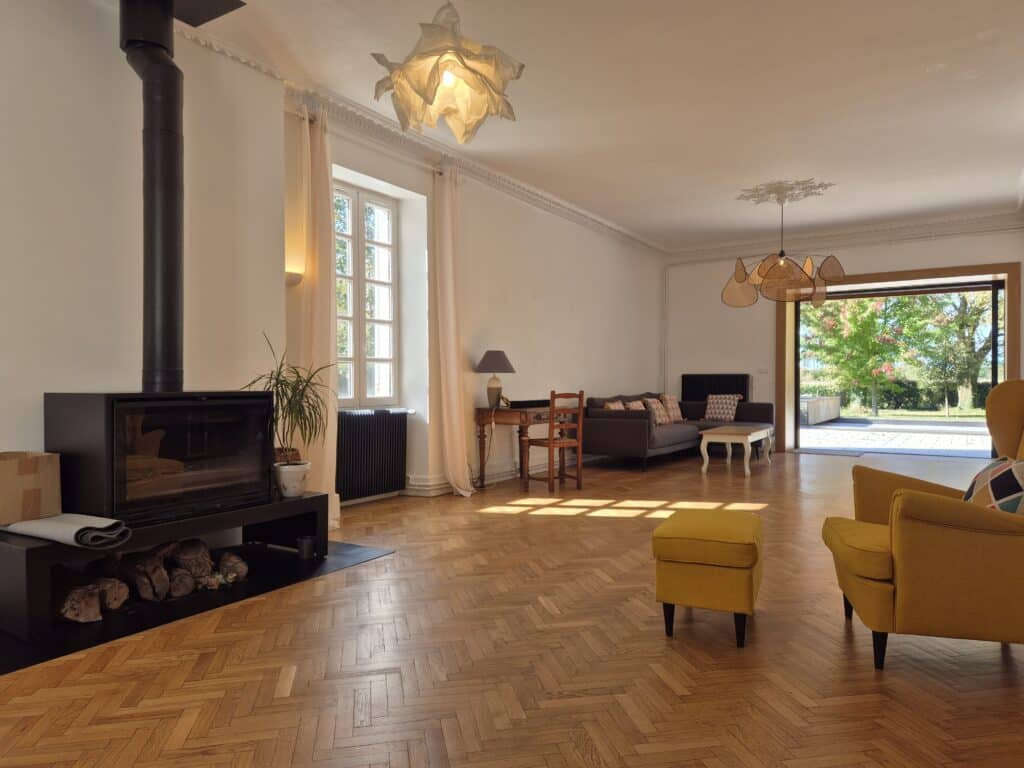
(511, 633)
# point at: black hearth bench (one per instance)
(26, 563)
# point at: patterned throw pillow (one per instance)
(614, 405)
(1000, 485)
(658, 411)
(635, 405)
(671, 403)
(722, 407)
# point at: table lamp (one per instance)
(494, 361)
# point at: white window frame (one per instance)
(359, 199)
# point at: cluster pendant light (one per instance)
(450, 76)
(778, 276)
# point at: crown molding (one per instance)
(354, 118)
(879, 233)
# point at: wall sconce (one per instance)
(292, 278)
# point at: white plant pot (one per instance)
(291, 478)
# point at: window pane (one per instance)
(344, 338)
(342, 214)
(343, 293)
(378, 379)
(345, 379)
(378, 340)
(378, 263)
(378, 302)
(343, 257)
(378, 223)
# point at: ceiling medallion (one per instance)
(777, 276)
(450, 76)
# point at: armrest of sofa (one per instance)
(957, 568)
(616, 433)
(873, 492)
(758, 412)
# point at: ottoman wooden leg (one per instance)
(847, 608)
(740, 620)
(670, 616)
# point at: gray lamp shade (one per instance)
(494, 361)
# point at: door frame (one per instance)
(787, 364)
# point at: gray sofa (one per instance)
(632, 434)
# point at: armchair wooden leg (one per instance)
(847, 608)
(561, 466)
(551, 469)
(579, 466)
(740, 620)
(879, 640)
(670, 616)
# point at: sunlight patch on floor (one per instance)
(615, 512)
(557, 511)
(652, 509)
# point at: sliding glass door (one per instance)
(900, 368)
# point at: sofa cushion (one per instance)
(863, 549)
(1000, 486)
(613, 405)
(635, 405)
(658, 412)
(728, 538)
(671, 403)
(598, 402)
(674, 434)
(722, 407)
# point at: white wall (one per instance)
(705, 336)
(71, 213)
(573, 308)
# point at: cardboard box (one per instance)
(29, 486)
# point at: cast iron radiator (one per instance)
(371, 452)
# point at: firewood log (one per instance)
(182, 582)
(142, 572)
(113, 593)
(194, 556)
(232, 567)
(82, 605)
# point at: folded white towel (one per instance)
(84, 531)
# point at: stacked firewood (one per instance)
(171, 570)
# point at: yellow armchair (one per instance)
(919, 560)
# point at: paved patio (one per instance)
(933, 438)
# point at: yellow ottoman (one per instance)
(709, 558)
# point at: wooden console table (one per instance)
(523, 418)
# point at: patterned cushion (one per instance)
(671, 403)
(722, 407)
(635, 405)
(614, 405)
(658, 411)
(1000, 485)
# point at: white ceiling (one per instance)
(654, 113)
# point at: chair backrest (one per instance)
(1004, 412)
(566, 417)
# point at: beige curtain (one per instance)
(453, 413)
(313, 323)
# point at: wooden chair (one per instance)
(563, 419)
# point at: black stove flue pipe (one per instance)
(147, 38)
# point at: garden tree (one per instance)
(934, 352)
(955, 342)
(862, 340)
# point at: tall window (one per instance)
(366, 285)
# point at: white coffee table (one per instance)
(745, 436)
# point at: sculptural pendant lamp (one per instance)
(450, 76)
(777, 276)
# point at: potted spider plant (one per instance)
(300, 411)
